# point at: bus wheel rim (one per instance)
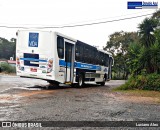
(80, 81)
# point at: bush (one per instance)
(5, 67)
(143, 82)
(153, 82)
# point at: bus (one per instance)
(60, 59)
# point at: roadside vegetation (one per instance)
(142, 96)
(7, 50)
(143, 82)
(7, 68)
(137, 55)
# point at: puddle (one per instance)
(33, 92)
(8, 98)
(30, 88)
(12, 99)
(8, 106)
(37, 87)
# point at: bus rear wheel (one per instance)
(53, 84)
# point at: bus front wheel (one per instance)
(80, 80)
(102, 83)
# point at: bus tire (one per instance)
(80, 80)
(102, 83)
(53, 84)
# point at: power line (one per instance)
(78, 25)
(100, 19)
(94, 23)
(73, 23)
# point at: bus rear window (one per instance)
(30, 56)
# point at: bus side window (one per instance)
(81, 54)
(97, 58)
(77, 53)
(101, 58)
(60, 47)
(86, 55)
(106, 59)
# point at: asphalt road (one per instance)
(23, 99)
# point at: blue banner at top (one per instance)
(142, 5)
(134, 5)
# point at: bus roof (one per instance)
(67, 37)
(105, 52)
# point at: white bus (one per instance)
(57, 58)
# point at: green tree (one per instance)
(134, 53)
(7, 48)
(146, 31)
(150, 40)
(144, 56)
(119, 41)
(156, 15)
(118, 45)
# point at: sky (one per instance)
(38, 13)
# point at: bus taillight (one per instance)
(49, 65)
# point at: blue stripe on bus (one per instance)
(80, 65)
(33, 59)
(63, 63)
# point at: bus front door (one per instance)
(69, 62)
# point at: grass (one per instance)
(140, 93)
(143, 93)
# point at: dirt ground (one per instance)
(24, 99)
